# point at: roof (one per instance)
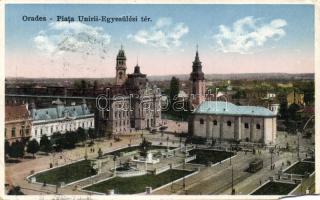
(16, 112)
(182, 94)
(226, 108)
(60, 111)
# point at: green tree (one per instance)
(81, 134)
(283, 110)
(15, 190)
(292, 111)
(6, 148)
(58, 140)
(70, 140)
(145, 146)
(91, 133)
(33, 147)
(17, 149)
(45, 144)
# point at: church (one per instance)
(222, 120)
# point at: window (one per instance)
(41, 132)
(215, 122)
(5, 132)
(201, 121)
(51, 129)
(229, 123)
(27, 130)
(246, 125)
(257, 126)
(13, 131)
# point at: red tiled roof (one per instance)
(16, 112)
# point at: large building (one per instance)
(61, 118)
(226, 121)
(132, 103)
(17, 123)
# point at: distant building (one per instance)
(46, 121)
(274, 107)
(295, 98)
(133, 103)
(17, 123)
(226, 121)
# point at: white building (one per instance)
(227, 121)
(60, 119)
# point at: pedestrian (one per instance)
(260, 181)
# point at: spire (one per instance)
(197, 73)
(121, 48)
(197, 59)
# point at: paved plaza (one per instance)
(210, 180)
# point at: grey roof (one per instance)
(60, 111)
(226, 108)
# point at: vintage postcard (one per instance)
(197, 100)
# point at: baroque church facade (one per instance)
(222, 120)
(132, 102)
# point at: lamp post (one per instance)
(232, 189)
(298, 148)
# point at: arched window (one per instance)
(229, 123)
(215, 122)
(246, 125)
(258, 126)
(13, 131)
(201, 121)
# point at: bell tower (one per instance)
(198, 85)
(121, 67)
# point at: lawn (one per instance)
(138, 184)
(300, 168)
(205, 156)
(135, 148)
(275, 188)
(67, 173)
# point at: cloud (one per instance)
(164, 34)
(76, 37)
(247, 34)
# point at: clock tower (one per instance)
(198, 85)
(121, 67)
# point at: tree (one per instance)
(58, 139)
(17, 149)
(6, 148)
(144, 147)
(174, 89)
(33, 147)
(15, 190)
(70, 140)
(81, 134)
(292, 111)
(91, 133)
(283, 110)
(45, 144)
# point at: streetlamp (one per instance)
(298, 134)
(271, 152)
(233, 191)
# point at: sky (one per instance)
(230, 39)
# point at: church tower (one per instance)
(121, 67)
(198, 85)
